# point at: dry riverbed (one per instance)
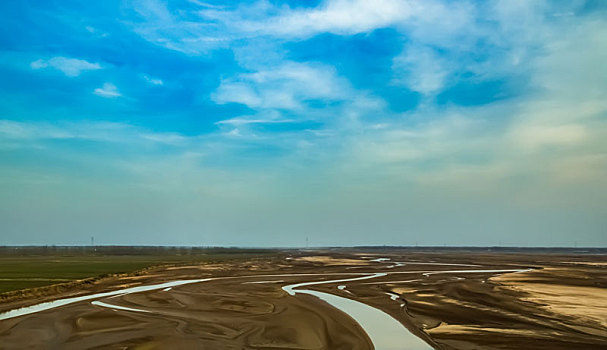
(330, 300)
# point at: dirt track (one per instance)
(559, 302)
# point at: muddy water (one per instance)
(385, 332)
(117, 307)
(61, 302)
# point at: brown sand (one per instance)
(557, 305)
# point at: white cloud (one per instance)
(572, 95)
(166, 137)
(85, 130)
(555, 117)
(39, 64)
(96, 32)
(544, 147)
(208, 28)
(268, 117)
(108, 90)
(239, 92)
(339, 16)
(153, 81)
(446, 135)
(421, 69)
(283, 87)
(432, 19)
(427, 25)
(174, 31)
(71, 67)
(532, 137)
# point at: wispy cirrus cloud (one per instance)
(343, 17)
(71, 67)
(284, 87)
(208, 28)
(108, 90)
(153, 81)
(421, 69)
(100, 131)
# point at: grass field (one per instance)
(29, 270)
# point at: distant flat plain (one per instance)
(31, 267)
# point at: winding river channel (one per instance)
(385, 332)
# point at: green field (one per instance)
(24, 270)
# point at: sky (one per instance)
(261, 123)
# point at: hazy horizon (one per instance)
(258, 124)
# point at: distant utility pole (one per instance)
(307, 242)
(92, 241)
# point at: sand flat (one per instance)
(481, 306)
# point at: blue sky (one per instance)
(260, 123)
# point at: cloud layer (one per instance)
(351, 122)
(71, 67)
